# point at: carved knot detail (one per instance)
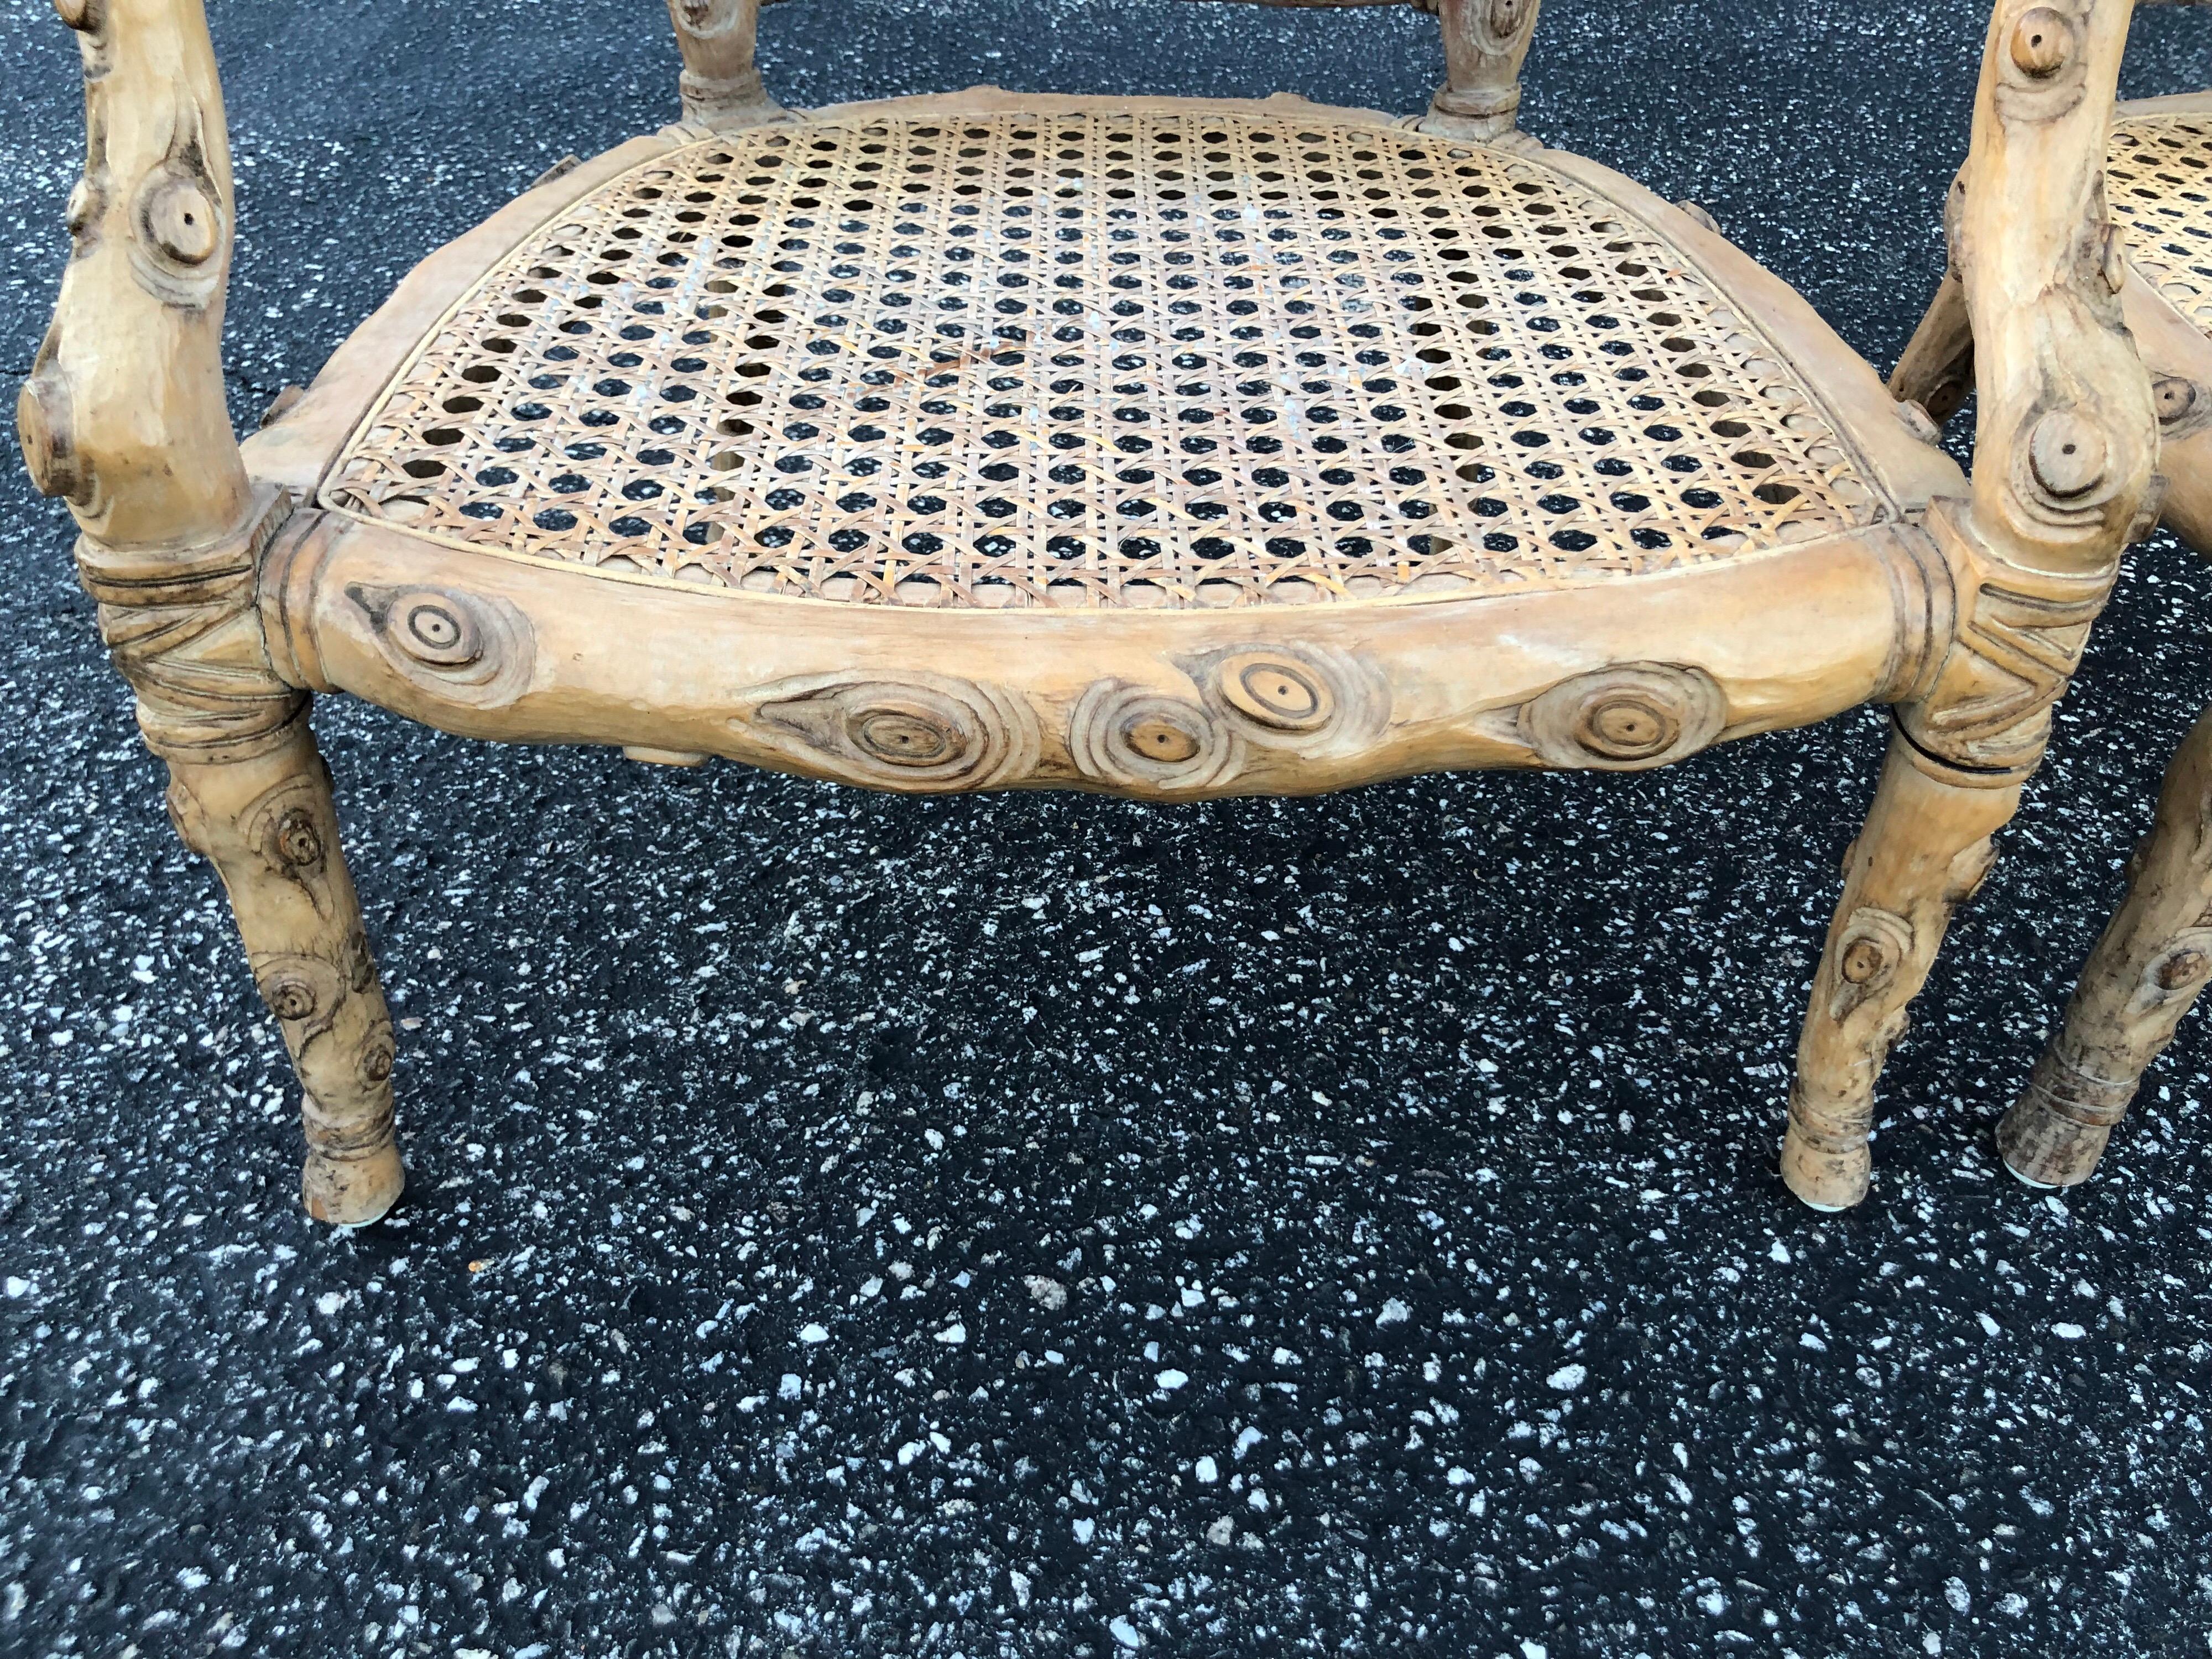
(911, 732)
(1621, 718)
(1130, 736)
(1874, 944)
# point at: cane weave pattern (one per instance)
(2158, 177)
(1100, 359)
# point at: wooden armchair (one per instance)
(2155, 955)
(1159, 447)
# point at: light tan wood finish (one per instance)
(1763, 538)
(123, 415)
(2149, 965)
(1485, 43)
(721, 85)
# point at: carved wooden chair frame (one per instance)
(233, 583)
(2155, 955)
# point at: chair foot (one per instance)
(1828, 1169)
(352, 1192)
(2060, 1125)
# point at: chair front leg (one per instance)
(2153, 957)
(123, 416)
(1964, 745)
(1924, 849)
(268, 826)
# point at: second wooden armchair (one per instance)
(2155, 956)
(1162, 447)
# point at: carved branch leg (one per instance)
(1485, 43)
(2154, 956)
(268, 827)
(1925, 849)
(123, 414)
(721, 83)
(1964, 746)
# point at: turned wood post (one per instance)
(123, 416)
(1486, 42)
(2063, 480)
(2153, 957)
(721, 83)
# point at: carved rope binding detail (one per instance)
(183, 628)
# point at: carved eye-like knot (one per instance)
(2184, 967)
(183, 220)
(2067, 455)
(376, 1063)
(435, 632)
(1631, 715)
(907, 732)
(44, 428)
(2174, 398)
(2042, 42)
(290, 998)
(299, 842)
(1506, 16)
(1278, 694)
(1169, 739)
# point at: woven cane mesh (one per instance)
(1101, 359)
(2158, 177)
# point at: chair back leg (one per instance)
(2144, 974)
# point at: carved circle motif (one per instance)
(2042, 42)
(2174, 396)
(2066, 454)
(183, 220)
(1620, 719)
(290, 998)
(932, 732)
(1276, 692)
(1874, 944)
(2183, 967)
(1126, 737)
(476, 647)
(299, 842)
(432, 630)
(376, 1063)
(43, 427)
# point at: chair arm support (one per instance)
(1485, 41)
(722, 82)
(123, 414)
(2068, 434)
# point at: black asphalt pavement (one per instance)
(844, 1225)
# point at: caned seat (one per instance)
(1170, 448)
(1183, 357)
